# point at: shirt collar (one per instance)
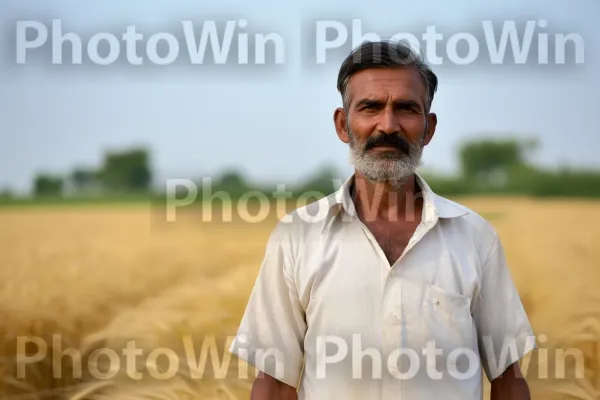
(434, 206)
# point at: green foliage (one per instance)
(46, 185)
(488, 166)
(232, 178)
(322, 181)
(487, 159)
(566, 183)
(6, 194)
(82, 178)
(127, 170)
(123, 174)
(85, 181)
(231, 182)
(502, 167)
(449, 186)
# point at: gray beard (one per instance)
(395, 168)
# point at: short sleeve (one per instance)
(271, 333)
(503, 330)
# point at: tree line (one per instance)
(504, 167)
(122, 172)
(487, 166)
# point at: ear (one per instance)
(431, 125)
(340, 120)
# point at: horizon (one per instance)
(273, 121)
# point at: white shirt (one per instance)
(329, 316)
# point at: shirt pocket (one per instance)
(446, 319)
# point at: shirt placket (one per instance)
(393, 338)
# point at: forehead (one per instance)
(397, 83)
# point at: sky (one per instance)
(275, 121)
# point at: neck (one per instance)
(385, 201)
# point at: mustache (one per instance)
(397, 141)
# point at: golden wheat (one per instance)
(102, 277)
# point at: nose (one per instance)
(388, 123)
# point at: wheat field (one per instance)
(89, 280)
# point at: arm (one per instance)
(503, 330)
(266, 387)
(511, 385)
(273, 323)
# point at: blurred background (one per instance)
(120, 122)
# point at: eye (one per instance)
(369, 107)
(409, 110)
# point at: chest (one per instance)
(347, 288)
(351, 263)
(392, 238)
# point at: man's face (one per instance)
(387, 124)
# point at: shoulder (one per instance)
(467, 215)
(307, 220)
(460, 220)
(303, 226)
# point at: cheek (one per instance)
(362, 127)
(413, 127)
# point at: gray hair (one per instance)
(385, 54)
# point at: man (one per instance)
(385, 290)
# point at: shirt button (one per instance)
(393, 319)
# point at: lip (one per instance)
(385, 148)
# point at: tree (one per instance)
(84, 179)
(492, 160)
(323, 180)
(126, 170)
(232, 179)
(232, 182)
(6, 193)
(45, 185)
